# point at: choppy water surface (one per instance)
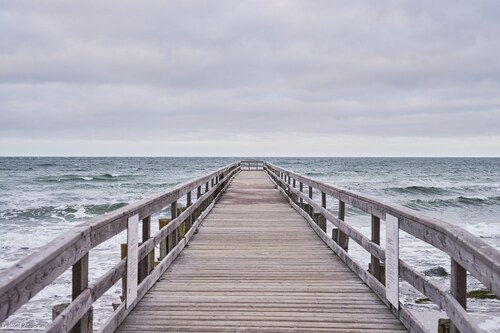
(42, 197)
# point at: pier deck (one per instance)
(257, 265)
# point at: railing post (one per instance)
(458, 286)
(310, 207)
(206, 201)
(164, 243)
(321, 218)
(189, 220)
(80, 282)
(173, 238)
(301, 201)
(337, 235)
(145, 265)
(375, 262)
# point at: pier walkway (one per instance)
(256, 265)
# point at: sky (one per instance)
(250, 78)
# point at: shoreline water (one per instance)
(46, 196)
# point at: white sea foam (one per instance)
(491, 325)
(482, 229)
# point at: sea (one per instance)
(42, 197)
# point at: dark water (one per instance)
(42, 197)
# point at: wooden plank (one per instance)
(256, 264)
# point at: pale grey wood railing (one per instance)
(252, 165)
(19, 283)
(467, 252)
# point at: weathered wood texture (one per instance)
(256, 265)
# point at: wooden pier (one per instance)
(249, 252)
(256, 265)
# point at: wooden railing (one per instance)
(252, 165)
(467, 252)
(21, 282)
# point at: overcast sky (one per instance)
(250, 78)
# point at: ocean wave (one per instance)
(103, 208)
(419, 190)
(107, 177)
(66, 212)
(315, 174)
(461, 201)
(46, 165)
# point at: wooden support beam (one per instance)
(164, 243)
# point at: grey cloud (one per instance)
(213, 69)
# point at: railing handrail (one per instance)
(472, 244)
(469, 252)
(252, 164)
(23, 280)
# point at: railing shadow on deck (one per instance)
(21, 282)
(467, 253)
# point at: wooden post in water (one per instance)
(375, 262)
(181, 229)
(164, 243)
(458, 287)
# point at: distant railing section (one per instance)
(467, 252)
(252, 165)
(21, 282)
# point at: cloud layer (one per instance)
(91, 76)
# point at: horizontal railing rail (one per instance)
(21, 282)
(468, 253)
(252, 165)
